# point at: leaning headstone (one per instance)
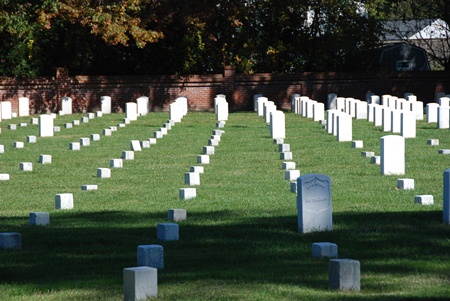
(106, 104)
(140, 283)
(39, 218)
(177, 215)
(167, 231)
(324, 249)
(64, 201)
(24, 106)
(344, 274)
(45, 125)
(392, 153)
(66, 105)
(187, 193)
(10, 240)
(135, 145)
(150, 256)
(314, 203)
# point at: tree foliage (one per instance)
(184, 37)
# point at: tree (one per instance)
(183, 37)
(416, 15)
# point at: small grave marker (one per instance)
(88, 187)
(424, 199)
(187, 193)
(344, 274)
(140, 283)
(324, 249)
(405, 184)
(116, 163)
(26, 166)
(167, 231)
(39, 218)
(150, 256)
(103, 173)
(177, 215)
(10, 240)
(18, 144)
(64, 201)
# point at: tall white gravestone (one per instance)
(106, 104)
(24, 106)
(277, 125)
(392, 155)
(314, 203)
(131, 111)
(142, 105)
(6, 110)
(46, 125)
(66, 105)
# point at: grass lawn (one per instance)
(240, 240)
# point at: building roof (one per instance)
(415, 29)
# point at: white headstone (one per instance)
(6, 110)
(24, 106)
(131, 111)
(277, 125)
(408, 124)
(260, 105)
(432, 112)
(142, 105)
(46, 126)
(314, 203)
(344, 127)
(66, 105)
(106, 104)
(443, 121)
(392, 155)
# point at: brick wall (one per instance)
(45, 93)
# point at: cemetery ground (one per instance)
(240, 240)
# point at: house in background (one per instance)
(402, 57)
(432, 35)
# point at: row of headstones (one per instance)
(6, 109)
(392, 160)
(141, 281)
(314, 206)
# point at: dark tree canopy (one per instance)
(107, 37)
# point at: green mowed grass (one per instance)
(240, 241)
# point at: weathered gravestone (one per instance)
(314, 203)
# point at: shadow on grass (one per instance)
(226, 246)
